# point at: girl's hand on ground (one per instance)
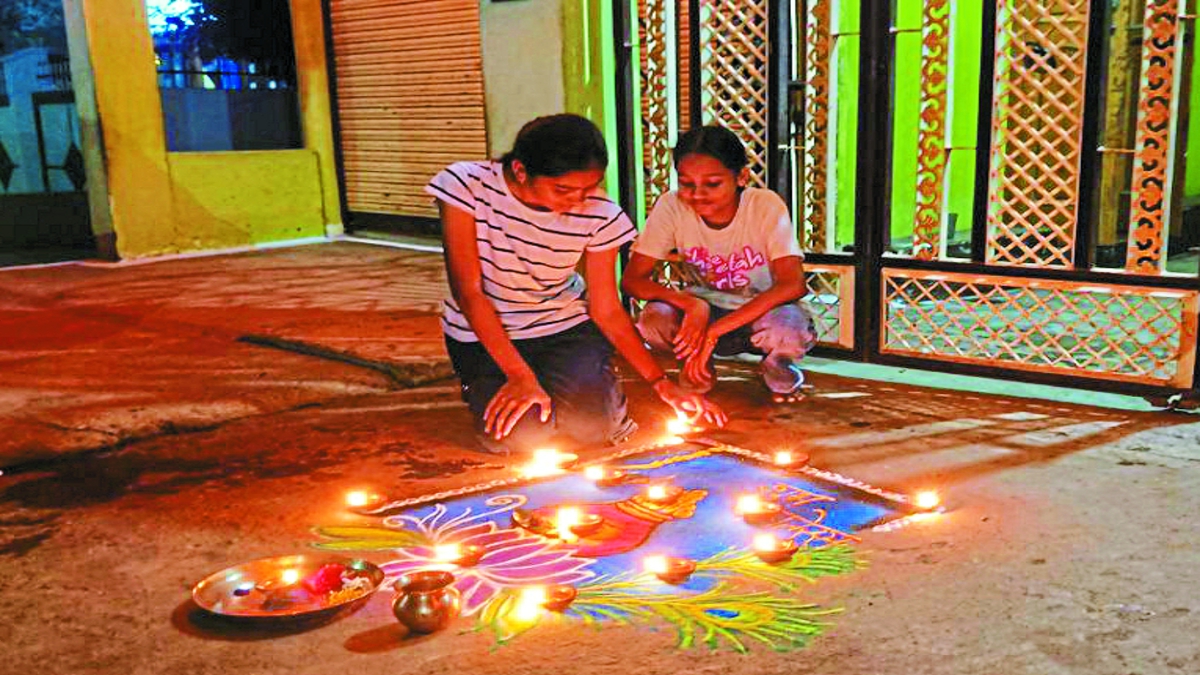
(693, 406)
(692, 330)
(511, 403)
(696, 368)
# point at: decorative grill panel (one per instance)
(830, 300)
(656, 118)
(1037, 121)
(817, 46)
(1136, 334)
(733, 39)
(931, 133)
(1149, 202)
(683, 55)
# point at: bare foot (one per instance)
(794, 397)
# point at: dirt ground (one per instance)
(145, 446)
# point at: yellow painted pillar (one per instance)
(308, 27)
(130, 111)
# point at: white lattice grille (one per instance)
(1037, 121)
(1136, 334)
(656, 117)
(830, 301)
(733, 80)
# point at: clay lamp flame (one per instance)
(288, 577)
(662, 493)
(604, 477)
(572, 523)
(362, 500)
(676, 430)
(786, 458)
(533, 600)
(547, 462)
(680, 426)
(669, 569)
(455, 554)
(755, 511)
(774, 551)
(927, 500)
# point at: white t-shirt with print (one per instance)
(734, 261)
(528, 257)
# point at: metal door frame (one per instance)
(872, 209)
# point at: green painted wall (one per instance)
(966, 44)
(906, 117)
(962, 115)
(846, 50)
(589, 72)
(1191, 179)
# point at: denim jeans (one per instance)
(575, 367)
(782, 337)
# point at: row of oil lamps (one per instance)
(427, 601)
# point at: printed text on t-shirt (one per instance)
(725, 273)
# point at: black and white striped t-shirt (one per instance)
(528, 257)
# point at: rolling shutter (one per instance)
(409, 96)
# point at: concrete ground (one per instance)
(163, 421)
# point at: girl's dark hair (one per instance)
(717, 142)
(558, 144)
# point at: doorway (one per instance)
(997, 190)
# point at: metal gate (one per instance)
(998, 190)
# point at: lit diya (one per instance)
(680, 426)
(786, 458)
(547, 462)
(676, 430)
(755, 511)
(572, 523)
(361, 501)
(772, 550)
(456, 554)
(662, 493)
(604, 476)
(555, 597)
(669, 569)
(285, 578)
(533, 522)
(927, 500)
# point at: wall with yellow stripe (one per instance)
(162, 202)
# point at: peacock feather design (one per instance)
(727, 614)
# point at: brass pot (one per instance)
(426, 601)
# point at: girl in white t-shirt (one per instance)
(524, 329)
(736, 247)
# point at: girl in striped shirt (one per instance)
(532, 342)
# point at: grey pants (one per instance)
(782, 337)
